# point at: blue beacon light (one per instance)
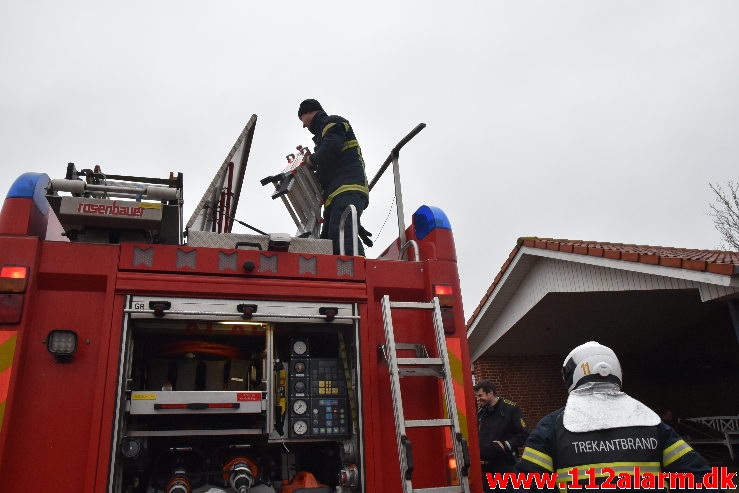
(428, 218)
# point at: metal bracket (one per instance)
(246, 310)
(159, 307)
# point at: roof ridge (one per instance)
(521, 240)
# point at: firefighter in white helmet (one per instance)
(603, 428)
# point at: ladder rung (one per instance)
(440, 489)
(419, 361)
(420, 423)
(412, 305)
(420, 349)
(416, 371)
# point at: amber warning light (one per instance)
(452, 472)
(442, 289)
(13, 278)
(445, 293)
(14, 271)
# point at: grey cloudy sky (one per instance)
(591, 120)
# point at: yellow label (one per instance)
(143, 397)
(149, 205)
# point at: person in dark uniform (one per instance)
(603, 428)
(502, 430)
(338, 159)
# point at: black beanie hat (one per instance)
(309, 105)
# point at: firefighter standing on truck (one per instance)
(502, 430)
(602, 427)
(338, 160)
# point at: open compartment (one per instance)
(212, 400)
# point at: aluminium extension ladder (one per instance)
(422, 365)
(300, 191)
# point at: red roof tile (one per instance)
(713, 261)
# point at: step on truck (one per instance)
(142, 354)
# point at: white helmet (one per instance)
(591, 362)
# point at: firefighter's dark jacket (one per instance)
(502, 422)
(654, 449)
(337, 157)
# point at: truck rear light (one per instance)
(11, 308)
(445, 293)
(13, 278)
(62, 344)
(447, 320)
(452, 472)
(14, 271)
(440, 289)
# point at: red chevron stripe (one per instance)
(5, 336)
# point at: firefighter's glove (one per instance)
(364, 235)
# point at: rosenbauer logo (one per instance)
(110, 210)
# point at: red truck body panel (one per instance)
(57, 426)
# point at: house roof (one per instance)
(713, 261)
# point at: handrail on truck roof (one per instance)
(393, 157)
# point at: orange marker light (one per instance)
(443, 290)
(14, 271)
(452, 474)
(13, 278)
(445, 293)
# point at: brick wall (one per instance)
(532, 382)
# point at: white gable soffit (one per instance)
(535, 272)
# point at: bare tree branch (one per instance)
(725, 213)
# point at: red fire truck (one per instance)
(138, 355)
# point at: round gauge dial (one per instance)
(299, 367)
(300, 347)
(299, 386)
(130, 448)
(300, 406)
(300, 427)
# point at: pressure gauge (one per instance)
(299, 387)
(299, 367)
(300, 406)
(300, 347)
(300, 427)
(130, 448)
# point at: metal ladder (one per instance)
(423, 365)
(300, 191)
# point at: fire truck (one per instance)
(143, 354)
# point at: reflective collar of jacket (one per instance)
(317, 124)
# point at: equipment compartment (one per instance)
(209, 402)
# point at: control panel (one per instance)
(317, 402)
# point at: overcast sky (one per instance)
(590, 120)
